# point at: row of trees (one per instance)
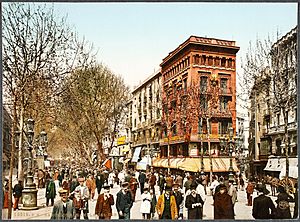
(51, 75)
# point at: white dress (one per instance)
(146, 203)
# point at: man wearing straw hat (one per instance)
(63, 209)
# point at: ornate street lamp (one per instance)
(230, 153)
(29, 195)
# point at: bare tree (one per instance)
(270, 71)
(39, 50)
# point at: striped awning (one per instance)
(219, 164)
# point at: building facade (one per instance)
(198, 103)
(144, 119)
(240, 141)
(273, 119)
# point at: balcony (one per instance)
(280, 129)
(226, 92)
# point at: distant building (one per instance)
(144, 119)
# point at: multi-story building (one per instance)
(258, 150)
(273, 109)
(199, 104)
(283, 145)
(240, 140)
(144, 118)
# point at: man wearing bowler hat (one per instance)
(263, 206)
(166, 205)
(63, 209)
(124, 202)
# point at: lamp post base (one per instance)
(29, 199)
(29, 195)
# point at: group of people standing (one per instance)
(77, 187)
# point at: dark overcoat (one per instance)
(263, 207)
(196, 212)
(223, 207)
(123, 201)
(18, 188)
(50, 190)
(283, 208)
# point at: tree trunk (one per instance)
(20, 153)
(286, 143)
(12, 160)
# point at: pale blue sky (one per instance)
(133, 38)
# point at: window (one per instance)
(223, 104)
(203, 60)
(134, 122)
(174, 129)
(203, 83)
(210, 61)
(203, 102)
(196, 59)
(258, 126)
(230, 63)
(200, 125)
(223, 127)
(185, 84)
(223, 85)
(278, 119)
(223, 62)
(217, 61)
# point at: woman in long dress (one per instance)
(145, 208)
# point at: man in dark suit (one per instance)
(124, 202)
(263, 206)
(142, 178)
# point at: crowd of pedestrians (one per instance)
(77, 187)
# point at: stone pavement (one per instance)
(242, 211)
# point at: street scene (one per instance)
(129, 111)
(242, 211)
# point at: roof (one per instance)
(150, 78)
(202, 41)
(285, 37)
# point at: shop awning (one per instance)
(293, 168)
(273, 164)
(219, 164)
(121, 160)
(174, 163)
(136, 154)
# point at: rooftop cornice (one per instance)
(201, 41)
